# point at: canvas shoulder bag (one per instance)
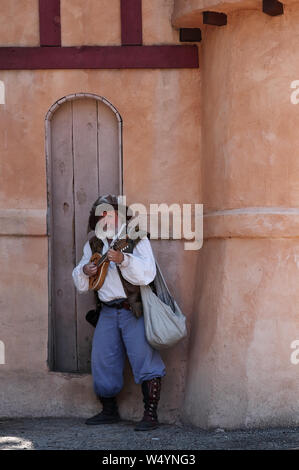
(165, 323)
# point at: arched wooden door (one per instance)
(84, 160)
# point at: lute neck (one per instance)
(104, 257)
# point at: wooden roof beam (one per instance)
(272, 7)
(214, 18)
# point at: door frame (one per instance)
(48, 118)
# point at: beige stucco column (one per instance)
(246, 313)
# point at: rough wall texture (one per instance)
(19, 23)
(224, 135)
(246, 308)
(160, 110)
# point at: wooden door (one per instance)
(83, 163)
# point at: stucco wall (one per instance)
(19, 23)
(246, 307)
(160, 110)
(224, 135)
(94, 22)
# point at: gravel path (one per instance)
(73, 433)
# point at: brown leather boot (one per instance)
(151, 395)
(109, 413)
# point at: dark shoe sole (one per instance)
(146, 428)
(103, 421)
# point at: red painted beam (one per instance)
(131, 22)
(98, 57)
(49, 23)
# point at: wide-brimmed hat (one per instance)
(113, 201)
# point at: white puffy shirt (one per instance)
(139, 268)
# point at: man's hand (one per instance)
(115, 255)
(90, 269)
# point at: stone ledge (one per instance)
(253, 222)
(32, 222)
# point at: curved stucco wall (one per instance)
(246, 308)
(188, 13)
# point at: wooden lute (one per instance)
(102, 262)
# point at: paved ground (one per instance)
(72, 433)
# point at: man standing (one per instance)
(120, 328)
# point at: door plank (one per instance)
(108, 145)
(63, 292)
(86, 187)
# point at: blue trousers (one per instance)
(118, 332)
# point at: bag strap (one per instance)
(162, 277)
(120, 273)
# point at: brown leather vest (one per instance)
(132, 291)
